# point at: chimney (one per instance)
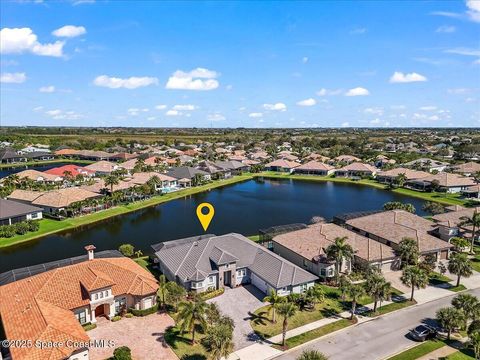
(90, 250)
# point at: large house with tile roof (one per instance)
(52, 305)
(449, 223)
(212, 262)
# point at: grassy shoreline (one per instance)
(46, 162)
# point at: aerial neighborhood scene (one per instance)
(291, 180)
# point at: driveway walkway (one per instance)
(143, 335)
(239, 303)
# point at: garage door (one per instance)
(147, 303)
(259, 283)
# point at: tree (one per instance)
(377, 287)
(175, 294)
(408, 251)
(338, 251)
(415, 277)
(396, 205)
(450, 319)
(315, 294)
(153, 182)
(162, 289)
(122, 353)
(126, 250)
(219, 341)
(138, 253)
(192, 313)
(460, 265)
(111, 180)
(274, 300)
(428, 263)
(355, 292)
(286, 310)
(312, 355)
(212, 313)
(474, 342)
(474, 222)
(400, 180)
(343, 285)
(460, 243)
(433, 208)
(468, 304)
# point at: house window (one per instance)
(323, 272)
(101, 294)
(120, 304)
(241, 272)
(34, 215)
(305, 262)
(82, 317)
(304, 287)
(96, 296)
(210, 279)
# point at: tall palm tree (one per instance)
(192, 313)
(274, 300)
(355, 292)
(474, 222)
(153, 182)
(286, 310)
(408, 251)
(415, 277)
(469, 304)
(212, 313)
(312, 355)
(111, 180)
(450, 318)
(400, 180)
(162, 288)
(459, 265)
(219, 341)
(377, 287)
(338, 251)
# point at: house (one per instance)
(467, 169)
(39, 156)
(345, 159)
(445, 182)
(53, 201)
(382, 160)
(356, 170)
(230, 260)
(389, 176)
(306, 249)
(448, 223)
(186, 174)
(39, 176)
(9, 156)
(314, 168)
(281, 165)
(12, 212)
(51, 306)
(472, 192)
(123, 156)
(427, 164)
(216, 172)
(317, 157)
(165, 183)
(103, 167)
(74, 171)
(232, 166)
(391, 227)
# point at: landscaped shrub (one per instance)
(33, 225)
(129, 315)
(21, 228)
(122, 353)
(126, 250)
(116, 318)
(7, 231)
(145, 312)
(210, 294)
(89, 326)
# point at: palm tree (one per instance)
(400, 180)
(312, 355)
(450, 318)
(338, 251)
(138, 253)
(286, 310)
(11, 180)
(460, 265)
(474, 222)
(415, 277)
(315, 294)
(219, 341)
(153, 182)
(355, 292)
(162, 288)
(212, 313)
(378, 288)
(111, 180)
(192, 313)
(68, 176)
(469, 304)
(343, 285)
(475, 343)
(408, 251)
(275, 300)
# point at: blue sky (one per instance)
(240, 64)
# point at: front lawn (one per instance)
(475, 261)
(457, 288)
(419, 350)
(391, 307)
(181, 344)
(144, 262)
(464, 354)
(436, 279)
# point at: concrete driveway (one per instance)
(238, 303)
(394, 278)
(143, 335)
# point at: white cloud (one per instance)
(229, 87)
(307, 102)
(151, 118)
(128, 83)
(81, 2)
(428, 108)
(255, 115)
(173, 113)
(305, 59)
(13, 78)
(458, 91)
(58, 114)
(399, 77)
(69, 31)
(275, 107)
(358, 91)
(161, 107)
(199, 79)
(325, 92)
(187, 107)
(47, 89)
(358, 31)
(375, 121)
(373, 111)
(136, 111)
(398, 107)
(446, 29)
(464, 51)
(346, 124)
(38, 108)
(21, 40)
(473, 10)
(216, 117)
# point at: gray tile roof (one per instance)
(9, 209)
(185, 172)
(189, 258)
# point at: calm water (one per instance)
(13, 170)
(244, 208)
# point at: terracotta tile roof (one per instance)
(66, 152)
(396, 225)
(74, 169)
(37, 175)
(63, 197)
(452, 218)
(25, 195)
(347, 158)
(318, 157)
(467, 168)
(314, 165)
(283, 164)
(450, 180)
(358, 166)
(102, 166)
(40, 307)
(312, 242)
(410, 174)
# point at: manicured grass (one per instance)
(391, 307)
(457, 288)
(255, 238)
(443, 198)
(316, 333)
(419, 350)
(144, 262)
(475, 262)
(464, 354)
(436, 278)
(182, 346)
(47, 162)
(48, 226)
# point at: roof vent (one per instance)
(195, 243)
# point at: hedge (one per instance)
(21, 228)
(144, 312)
(122, 353)
(89, 326)
(210, 294)
(116, 318)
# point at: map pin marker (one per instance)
(205, 219)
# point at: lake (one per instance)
(244, 208)
(13, 170)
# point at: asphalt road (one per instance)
(376, 339)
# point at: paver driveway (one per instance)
(238, 303)
(143, 335)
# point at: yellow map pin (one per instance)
(205, 219)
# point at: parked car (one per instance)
(423, 332)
